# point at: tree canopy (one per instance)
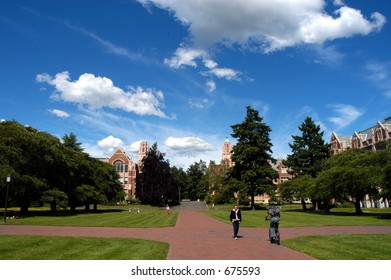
(155, 179)
(351, 175)
(44, 170)
(252, 156)
(309, 151)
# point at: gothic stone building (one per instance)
(372, 138)
(126, 168)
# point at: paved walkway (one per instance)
(199, 237)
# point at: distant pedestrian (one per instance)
(236, 218)
(168, 209)
(274, 214)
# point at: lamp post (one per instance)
(7, 180)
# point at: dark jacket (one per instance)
(232, 216)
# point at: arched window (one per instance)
(119, 166)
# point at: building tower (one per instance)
(142, 153)
(227, 152)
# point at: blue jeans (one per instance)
(236, 228)
(273, 222)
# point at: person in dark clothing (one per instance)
(274, 212)
(236, 218)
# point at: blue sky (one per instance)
(180, 73)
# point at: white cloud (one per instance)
(211, 85)
(339, 3)
(110, 144)
(269, 25)
(98, 92)
(59, 113)
(185, 56)
(199, 104)
(226, 73)
(346, 114)
(188, 56)
(188, 144)
(134, 147)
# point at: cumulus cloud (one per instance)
(134, 147)
(189, 57)
(99, 92)
(188, 144)
(59, 113)
(185, 56)
(267, 25)
(346, 114)
(110, 144)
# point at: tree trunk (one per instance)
(95, 207)
(303, 205)
(357, 206)
(24, 209)
(53, 206)
(252, 201)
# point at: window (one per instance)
(119, 166)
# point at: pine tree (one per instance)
(252, 156)
(155, 186)
(309, 151)
(70, 141)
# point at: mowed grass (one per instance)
(105, 218)
(326, 247)
(343, 247)
(80, 248)
(87, 248)
(293, 217)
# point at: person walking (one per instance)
(235, 217)
(274, 212)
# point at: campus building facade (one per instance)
(372, 138)
(126, 168)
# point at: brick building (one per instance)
(372, 138)
(126, 168)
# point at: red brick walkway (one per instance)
(199, 237)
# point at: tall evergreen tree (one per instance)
(309, 151)
(252, 156)
(70, 141)
(197, 185)
(179, 182)
(155, 186)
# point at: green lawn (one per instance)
(103, 218)
(343, 247)
(331, 247)
(293, 217)
(80, 248)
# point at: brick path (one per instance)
(199, 237)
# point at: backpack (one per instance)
(273, 211)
